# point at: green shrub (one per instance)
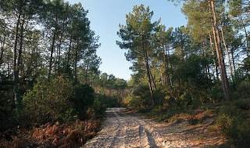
(159, 96)
(235, 125)
(215, 93)
(243, 104)
(140, 97)
(236, 130)
(99, 105)
(7, 111)
(243, 90)
(48, 101)
(102, 102)
(83, 98)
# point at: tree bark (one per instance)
(228, 55)
(146, 60)
(86, 74)
(2, 49)
(51, 53)
(52, 48)
(233, 60)
(213, 53)
(149, 80)
(219, 52)
(15, 71)
(19, 59)
(165, 62)
(68, 58)
(59, 54)
(152, 78)
(170, 70)
(76, 58)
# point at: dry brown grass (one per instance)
(54, 135)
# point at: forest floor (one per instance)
(123, 128)
(65, 135)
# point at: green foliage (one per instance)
(242, 104)
(192, 70)
(140, 97)
(199, 19)
(215, 93)
(234, 123)
(99, 105)
(102, 102)
(48, 101)
(246, 65)
(82, 99)
(159, 95)
(59, 100)
(7, 112)
(243, 90)
(236, 130)
(235, 7)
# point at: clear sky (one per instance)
(105, 17)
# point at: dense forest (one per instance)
(51, 87)
(49, 70)
(201, 65)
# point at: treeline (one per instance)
(46, 49)
(43, 39)
(110, 85)
(189, 67)
(207, 60)
(49, 75)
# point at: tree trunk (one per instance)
(165, 62)
(149, 76)
(76, 57)
(76, 54)
(68, 59)
(219, 52)
(213, 53)
(19, 59)
(59, 54)
(170, 70)
(228, 55)
(233, 60)
(146, 62)
(153, 79)
(51, 53)
(86, 74)
(52, 48)
(149, 81)
(204, 54)
(2, 49)
(59, 47)
(15, 74)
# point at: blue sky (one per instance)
(105, 17)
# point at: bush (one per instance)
(215, 93)
(236, 130)
(7, 110)
(48, 101)
(140, 97)
(82, 99)
(102, 102)
(243, 90)
(99, 105)
(159, 95)
(242, 104)
(235, 124)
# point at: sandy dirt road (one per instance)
(125, 130)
